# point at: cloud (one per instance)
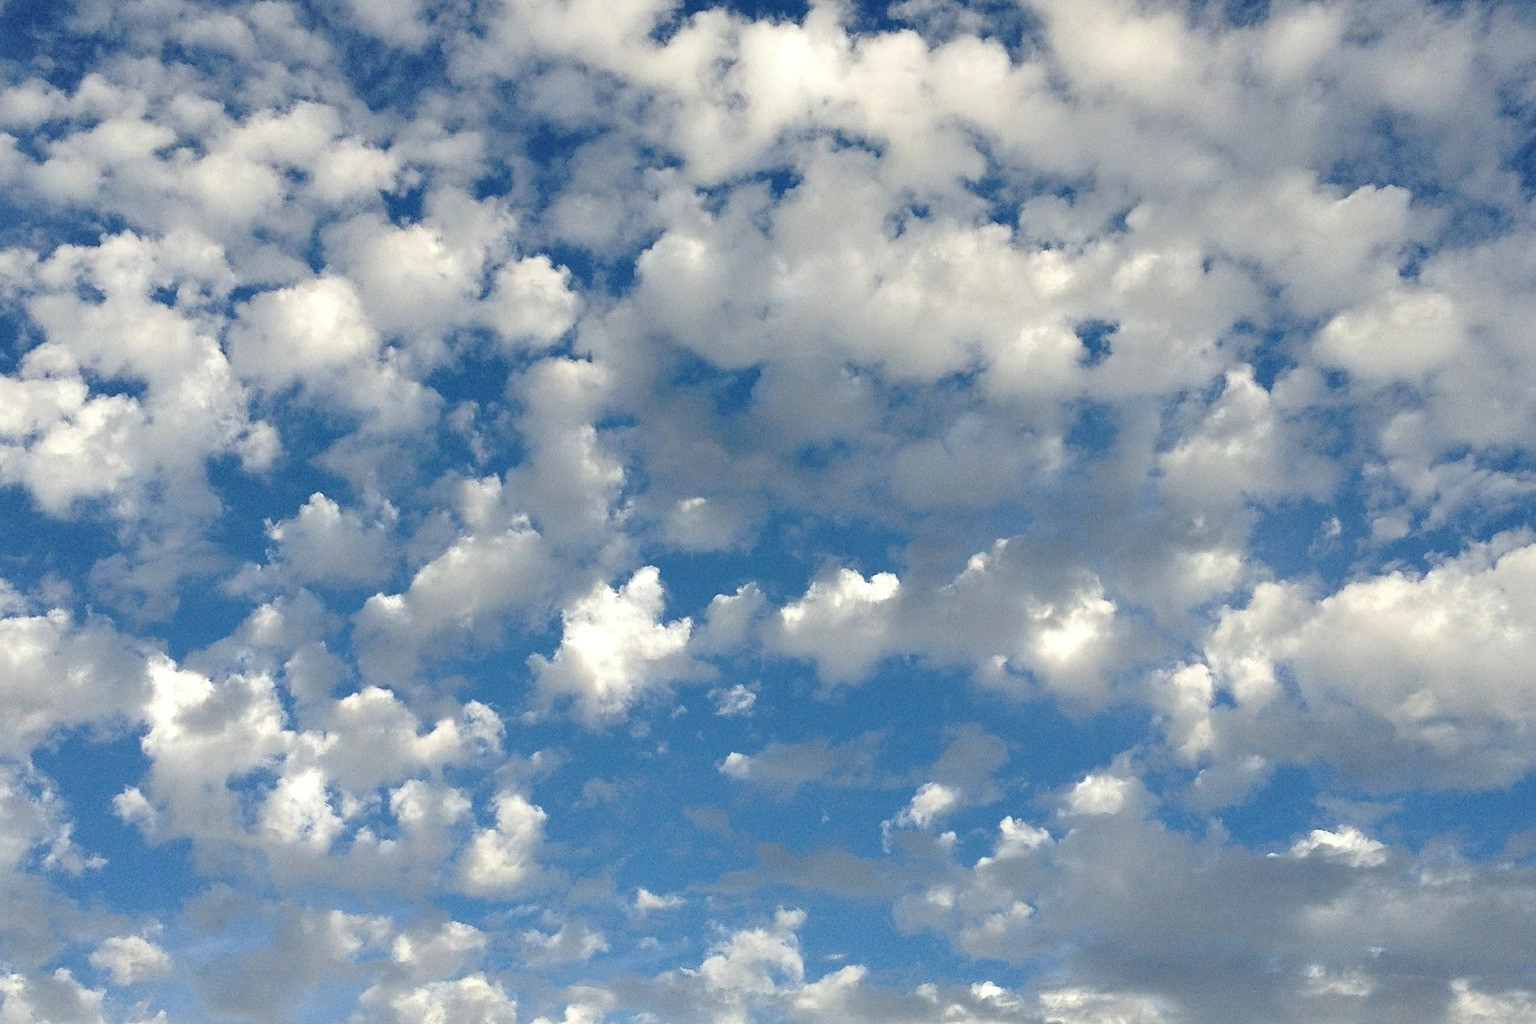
(784, 767)
(500, 860)
(55, 998)
(1419, 666)
(647, 901)
(56, 674)
(614, 649)
(131, 958)
(841, 623)
(323, 544)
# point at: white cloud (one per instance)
(614, 650)
(324, 544)
(55, 998)
(474, 997)
(647, 901)
(1348, 844)
(842, 623)
(573, 942)
(1097, 793)
(466, 590)
(737, 700)
(501, 859)
(931, 801)
(1425, 662)
(55, 674)
(131, 958)
(37, 830)
(317, 335)
(752, 964)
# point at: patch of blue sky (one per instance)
(88, 771)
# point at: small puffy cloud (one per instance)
(531, 302)
(453, 270)
(398, 22)
(299, 811)
(1406, 678)
(784, 767)
(753, 963)
(34, 827)
(737, 700)
(465, 591)
(501, 860)
(842, 623)
(1348, 845)
(1021, 609)
(473, 998)
(647, 901)
(55, 673)
(131, 958)
(614, 650)
(1097, 793)
(573, 942)
(1401, 336)
(316, 336)
(437, 952)
(324, 544)
(298, 334)
(932, 801)
(372, 737)
(730, 622)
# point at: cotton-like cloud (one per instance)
(57, 674)
(614, 649)
(841, 622)
(1424, 666)
(500, 859)
(131, 958)
(49, 998)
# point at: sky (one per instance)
(725, 512)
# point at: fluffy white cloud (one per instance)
(470, 998)
(131, 958)
(501, 859)
(37, 830)
(1406, 678)
(842, 623)
(56, 674)
(55, 998)
(465, 591)
(317, 336)
(324, 544)
(1349, 845)
(614, 649)
(572, 942)
(647, 901)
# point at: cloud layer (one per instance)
(948, 511)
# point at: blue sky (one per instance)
(564, 512)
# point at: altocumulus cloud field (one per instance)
(559, 511)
